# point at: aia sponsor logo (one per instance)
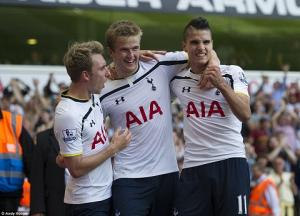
(99, 138)
(204, 110)
(143, 115)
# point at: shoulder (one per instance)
(174, 56)
(183, 75)
(231, 69)
(64, 112)
(112, 85)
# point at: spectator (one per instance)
(47, 179)
(15, 148)
(285, 121)
(264, 198)
(286, 187)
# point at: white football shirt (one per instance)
(211, 130)
(79, 129)
(141, 102)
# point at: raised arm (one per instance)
(238, 102)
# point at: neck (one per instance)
(119, 74)
(198, 69)
(78, 91)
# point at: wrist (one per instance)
(222, 86)
(112, 150)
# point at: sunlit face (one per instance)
(125, 55)
(198, 44)
(98, 75)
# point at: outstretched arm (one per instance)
(148, 55)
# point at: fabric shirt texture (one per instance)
(141, 102)
(211, 130)
(79, 130)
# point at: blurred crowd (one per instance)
(271, 136)
(36, 106)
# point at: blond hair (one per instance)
(78, 58)
(121, 28)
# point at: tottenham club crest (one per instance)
(69, 135)
(150, 81)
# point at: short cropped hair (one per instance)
(122, 28)
(78, 58)
(198, 23)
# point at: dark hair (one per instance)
(198, 23)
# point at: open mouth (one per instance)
(201, 54)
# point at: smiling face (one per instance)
(125, 55)
(199, 45)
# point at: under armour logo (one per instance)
(92, 123)
(119, 100)
(218, 92)
(150, 81)
(188, 89)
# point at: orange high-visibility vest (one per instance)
(25, 201)
(258, 205)
(11, 160)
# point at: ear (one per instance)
(85, 76)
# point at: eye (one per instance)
(194, 42)
(206, 42)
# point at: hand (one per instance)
(148, 55)
(204, 83)
(60, 161)
(211, 78)
(14, 82)
(35, 82)
(120, 140)
(214, 59)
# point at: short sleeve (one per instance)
(67, 129)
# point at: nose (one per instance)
(130, 53)
(201, 45)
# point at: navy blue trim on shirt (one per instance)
(185, 77)
(230, 79)
(63, 94)
(143, 76)
(85, 117)
(225, 75)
